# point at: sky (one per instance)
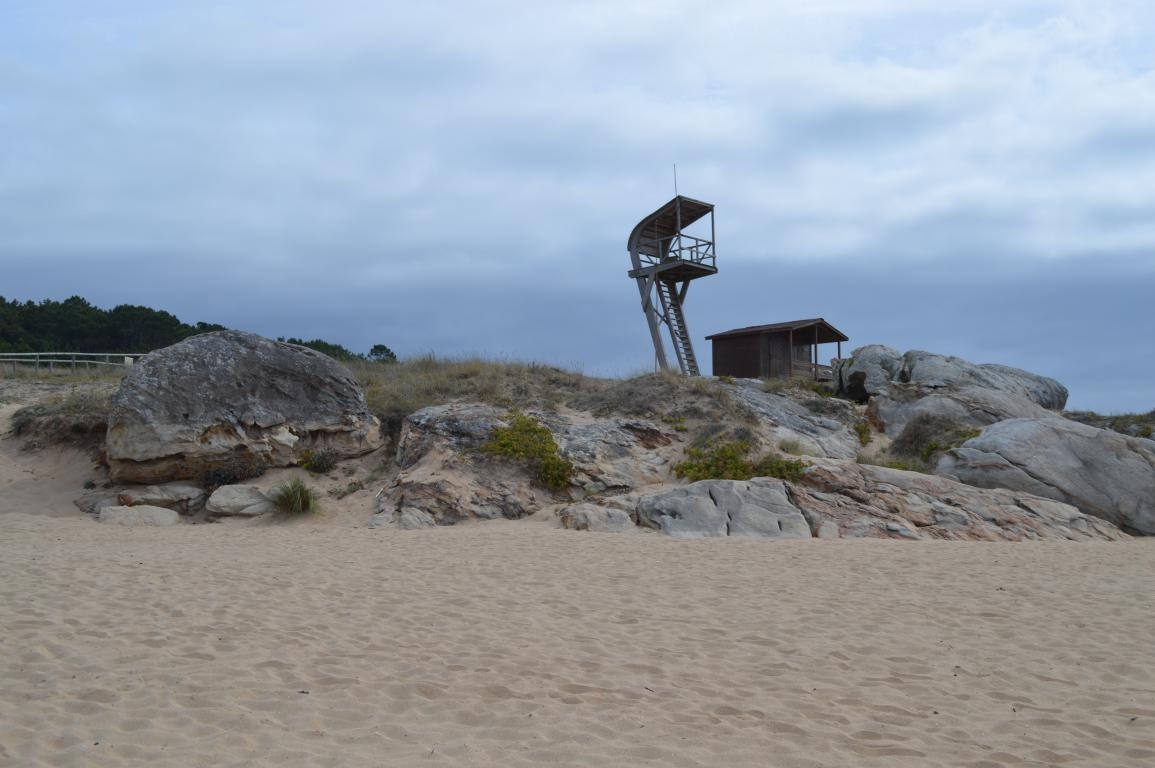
(967, 177)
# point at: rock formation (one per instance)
(900, 387)
(224, 400)
(1099, 471)
(444, 478)
(843, 499)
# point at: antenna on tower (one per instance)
(675, 179)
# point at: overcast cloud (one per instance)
(964, 176)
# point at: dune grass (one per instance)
(77, 418)
(295, 498)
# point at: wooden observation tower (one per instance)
(665, 260)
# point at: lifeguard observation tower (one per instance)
(665, 259)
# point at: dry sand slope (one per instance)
(507, 644)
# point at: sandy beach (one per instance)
(317, 643)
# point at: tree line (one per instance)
(75, 325)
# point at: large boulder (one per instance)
(932, 371)
(1103, 473)
(943, 387)
(223, 400)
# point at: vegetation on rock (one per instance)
(318, 462)
(1133, 424)
(732, 461)
(528, 440)
(75, 419)
(927, 434)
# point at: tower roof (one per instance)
(662, 224)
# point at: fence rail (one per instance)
(52, 361)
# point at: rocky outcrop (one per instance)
(238, 501)
(918, 383)
(445, 478)
(143, 514)
(865, 500)
(842, 499)
(817, 426)
(219, 400)
(868, 371)
(1103, 473)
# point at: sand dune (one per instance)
(513, 643)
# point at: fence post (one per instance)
(74, 363)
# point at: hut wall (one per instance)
(778, 345)
(739, 356)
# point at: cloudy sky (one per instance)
(969, 177)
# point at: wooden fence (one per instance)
(74, 361)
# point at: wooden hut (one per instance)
(775, 350)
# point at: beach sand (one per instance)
(316, 643)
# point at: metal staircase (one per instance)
(675, 320)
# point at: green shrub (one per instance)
(529, 441)
(783, 469)
(864, 432)
(295, 498)
(319, 462)
(731, 461)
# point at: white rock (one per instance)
(238, 500)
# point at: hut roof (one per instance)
(662, 224)
(827, 333)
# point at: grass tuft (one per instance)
(295, 498)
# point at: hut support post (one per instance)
(816, 352)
